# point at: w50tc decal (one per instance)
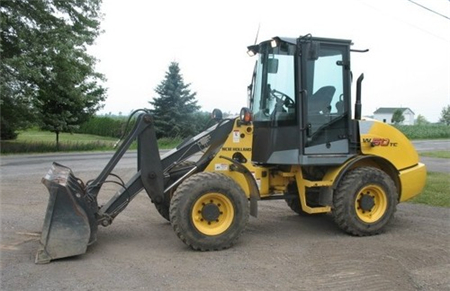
(378, 141)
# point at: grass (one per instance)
(436, 154)
(436, 191)
(36, 141)
(168, 143)
(45, 136)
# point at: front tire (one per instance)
(365, 201)
(209, 211)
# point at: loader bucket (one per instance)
(69, 224)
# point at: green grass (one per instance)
(436, 191)
(36, 141)
(45, 136)
(436, 154)
(169, 143)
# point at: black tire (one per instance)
(294, 203)
(164, 206)
(365, 201)
(209, 211)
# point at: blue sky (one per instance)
(408, 64)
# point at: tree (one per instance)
(421, 120)
(47, 76)
(445, 115)
(397, 117)
(61, 110)
(174, 109)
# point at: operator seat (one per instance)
(320, 101)
(319, 104)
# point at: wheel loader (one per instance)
(297, 140)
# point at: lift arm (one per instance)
(151, 168)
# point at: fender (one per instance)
(336, 174)
(251, 183)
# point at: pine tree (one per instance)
(174, 109)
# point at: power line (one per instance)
(429, 9)
(396, 17)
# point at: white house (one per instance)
(385, 114)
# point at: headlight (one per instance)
(273, 43)
(252, 50)
(245, 115)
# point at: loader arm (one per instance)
(72, 216)
(152, 170)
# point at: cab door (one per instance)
(326, 117)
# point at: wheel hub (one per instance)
(213, 213)
(210, 212)
(367, 202)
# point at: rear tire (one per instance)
(209, 211)
(365, 201)
(295, 204)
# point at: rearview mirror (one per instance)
(217, 115)
(272, 66)
(313, 49)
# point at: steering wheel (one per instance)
(282, 97)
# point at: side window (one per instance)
(275, 100)
(328, 78)
(325, 84)
(282, 89)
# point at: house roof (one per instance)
(389, 110)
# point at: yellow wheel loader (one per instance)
(296, 141)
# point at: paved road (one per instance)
(279, 250)
(432, 145)
(434, 164)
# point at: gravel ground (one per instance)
(278, 251)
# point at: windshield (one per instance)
(273, 88)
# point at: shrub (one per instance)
(106, 126)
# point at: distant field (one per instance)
(429, 131)
(43, 142)
(45, 136)
(36, 141)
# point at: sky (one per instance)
(408, 63)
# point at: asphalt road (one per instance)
(278, 251)
(434, 164)
(432, 145)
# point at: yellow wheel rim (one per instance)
(212, 214)
(371, 203)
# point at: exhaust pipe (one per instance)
(358, 105)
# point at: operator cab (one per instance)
(301, 103)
